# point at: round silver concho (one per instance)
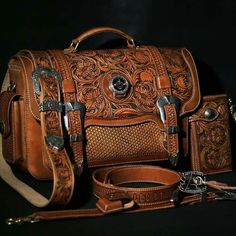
(119, 85)
(209, 113)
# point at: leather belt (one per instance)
(107, 186)
(112, 197)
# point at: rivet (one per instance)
(209, 113)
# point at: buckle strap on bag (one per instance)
(74, 120)
(168, 106)
(74, 113)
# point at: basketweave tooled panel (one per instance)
(96, 72)
(128, 144)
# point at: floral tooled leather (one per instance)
(92, 71)
(182, 85)
(58, 160)
(211, 136)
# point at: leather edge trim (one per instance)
(187, 107)
(125, 122)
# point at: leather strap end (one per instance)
(163, 82)
(107, 206)
(68, 86)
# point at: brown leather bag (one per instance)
(62, 110)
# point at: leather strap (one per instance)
(74, 113)
(168, 107)
(53, 140)
(63, 177)
(106, 183)
(112, 197)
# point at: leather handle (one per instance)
(94, 31)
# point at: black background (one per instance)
(206, 28)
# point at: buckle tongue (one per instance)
(166, 100)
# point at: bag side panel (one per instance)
(20, 69)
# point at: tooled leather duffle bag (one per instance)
(65, 110)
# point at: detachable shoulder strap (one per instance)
(113, 197)
(53, 143)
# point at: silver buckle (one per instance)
(55, 142)
(74, 106)
(44, 70)
(50, 106)
(165, 100)
(193, 182)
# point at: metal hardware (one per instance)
(74, 106)
(76, 138)
(119, 85)
(174, 159)
(131, 43)
(44, 71)
(210, 113)
(55, 142)
(232, 108)
(225, 195)
(172, 130)
(193, 182)
(50, 106)
(66, 122)
(11, 87)
(177, 197)
(74, 45)
(20, 220)
(166, 100)
(161, 103)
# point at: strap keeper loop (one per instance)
(50, 105)
(74, 106)
(76, 138)
(172, 130)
